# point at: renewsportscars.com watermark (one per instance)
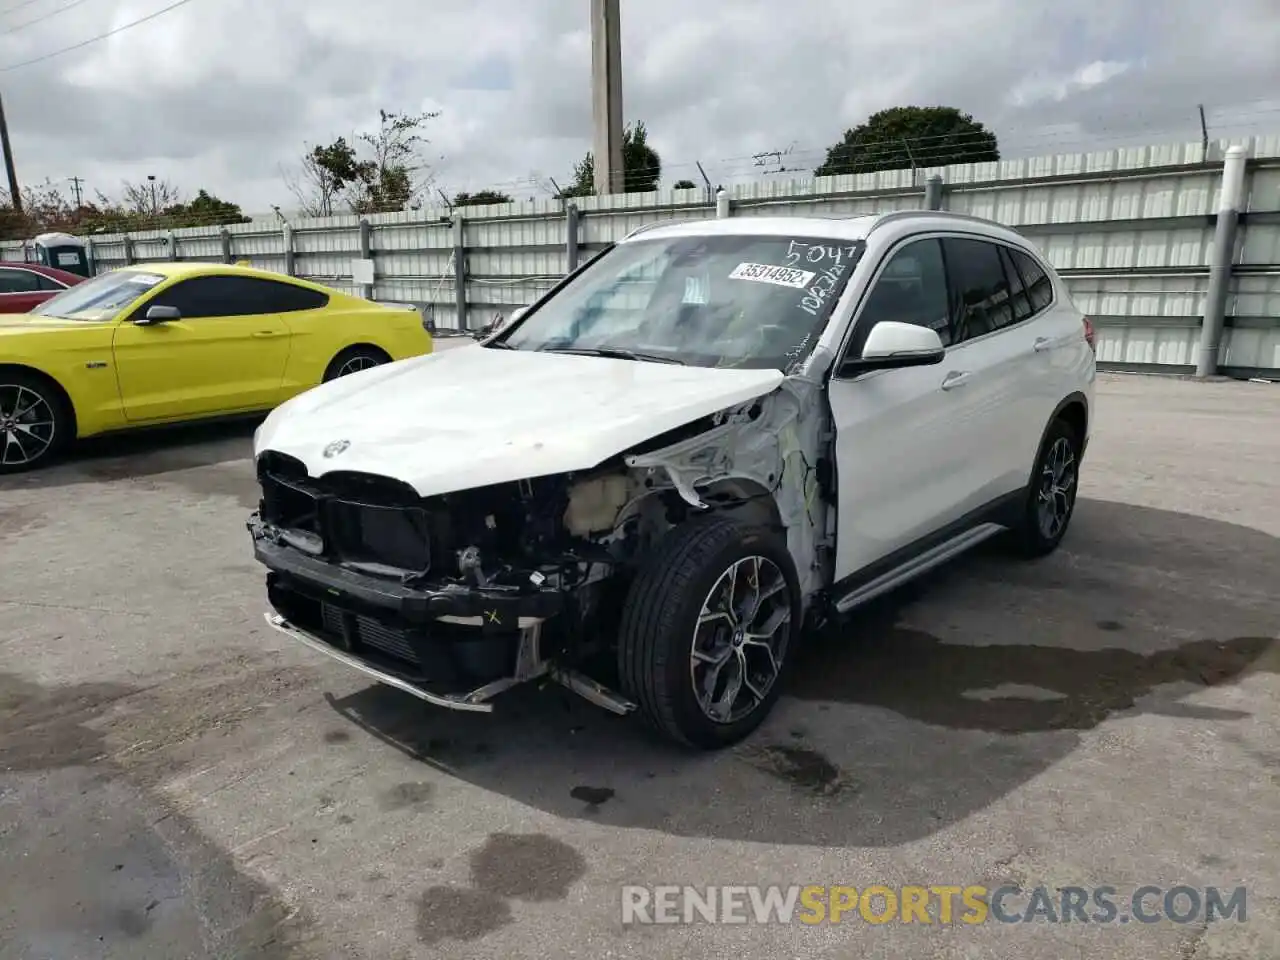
(940, 904)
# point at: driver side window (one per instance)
(910, 288)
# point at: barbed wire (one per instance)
(924, 152)
(43, 17)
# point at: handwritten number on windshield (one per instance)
(817, 253)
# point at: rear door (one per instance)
(227, 353)
(995, 349)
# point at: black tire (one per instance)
(660, 622)
(1034, 536)
(36, 423)
(352, 359)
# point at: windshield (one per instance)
(748, 301)
(100, 298)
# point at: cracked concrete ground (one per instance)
(178, 781)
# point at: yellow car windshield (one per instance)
(100, 298)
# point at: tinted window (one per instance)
(48, 283)
(1039, 286)
(979, 289)
(19, 281)
(912, 288)
(1018, 292)
(236, 296)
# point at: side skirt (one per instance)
(913, 560)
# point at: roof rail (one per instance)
(654, 224)
(947, 214)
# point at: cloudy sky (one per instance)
(224, 94)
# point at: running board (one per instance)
(918, 565)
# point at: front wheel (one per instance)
(353, 360)
(708, 629)
(34, 422)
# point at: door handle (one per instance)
(956, 378)
(265, 333)
(1042, 344)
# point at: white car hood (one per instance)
(473, 416)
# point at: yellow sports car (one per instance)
(164, 343)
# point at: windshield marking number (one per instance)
(765, 273)
(817, 295)
(817, 253)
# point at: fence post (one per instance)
(288, 250)
(225, 236)
(722, 203)
(460, 270)
(933, 193)
(173, 245)
(128, 251)
(571, 237)
(366, 253)
(91, 255)
(1230, 199)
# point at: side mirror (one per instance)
(158, 314)
(891, 345)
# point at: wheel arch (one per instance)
(1074, 408)
(351, 347)
(63, 395)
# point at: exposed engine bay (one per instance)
(458, 596)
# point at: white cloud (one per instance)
(220, 93)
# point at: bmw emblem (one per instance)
(337, 447)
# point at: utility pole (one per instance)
(606, 95)
(75, 185)
(15, 195)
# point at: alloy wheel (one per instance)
(740, 639)
(1057, 492)
(27, 425)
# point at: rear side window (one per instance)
(19, 281)
(1037, 283)
(237, 297)
(980, 294)
(1021, 302)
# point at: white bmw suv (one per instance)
(701, 443)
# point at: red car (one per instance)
(26, 285)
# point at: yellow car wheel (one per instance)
(353, 360)
(35, 421)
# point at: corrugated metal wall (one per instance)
(1131, 230)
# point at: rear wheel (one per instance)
(708, 629)
(35, 423)
(1051, 495)
(353, 360)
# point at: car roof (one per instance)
(827, 228)
(188, 268)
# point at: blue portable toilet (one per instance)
(63, 252)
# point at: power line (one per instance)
(44, 16)
(101, 36)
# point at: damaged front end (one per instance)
(457, 597)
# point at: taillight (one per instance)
(1090, 336)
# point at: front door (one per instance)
(903, 436)
(221, 356)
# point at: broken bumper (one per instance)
(447, 644)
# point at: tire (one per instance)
(354, 359)
(1051, 493)
(678, 587)
(35, 422)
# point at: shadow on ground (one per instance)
(909, 716)
(144, 453)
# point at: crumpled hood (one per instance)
(473, 416)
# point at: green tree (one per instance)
(684, 185)
(465, 199)
(641, 166)
(204, 210)
(382, 170)
(903, 137)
